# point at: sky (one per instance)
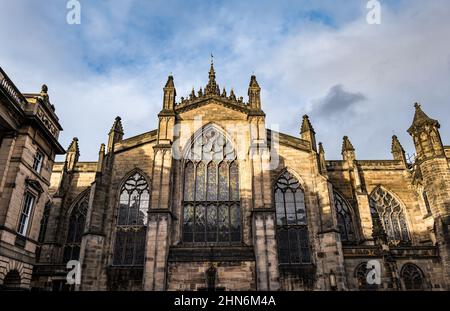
(319, 58)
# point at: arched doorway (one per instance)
(12, 281)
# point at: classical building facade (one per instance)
(29, 130)
(213, 200)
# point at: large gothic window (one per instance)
(131, 228)
(292, 229)
(77, 222)
(386, 209)
(344, 218)
(212, 211)
(412, 277)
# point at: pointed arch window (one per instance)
(77, 221)
(211, 200)
(344, 219)
(412, 277)
(292, 229)
(385, 207)
(131, 228)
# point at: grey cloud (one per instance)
(337, 102)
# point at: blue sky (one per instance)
(317, 57)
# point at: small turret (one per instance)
(426, 136)
(169, 94)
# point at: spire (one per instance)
(347, 145)
(307, 133)
(169, 82)
(396, 146)
(115, 134)
(73, 147)
(397, 150)
(420, 119)
(232, 95)
(117, 126)
(254, 94)
(211, 87)
(169, 94)
(101, 157)
(306, 125)
(253, 82)
(73, 154)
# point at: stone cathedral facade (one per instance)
(213, 200)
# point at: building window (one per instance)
(25, 215)
(212, 209)
(427, 203)
(344, 218)
(292, 228)
(412, 277)
(38, 160)
(75, 231)
(385, 207)
(131, 228)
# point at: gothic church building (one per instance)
(213, 200)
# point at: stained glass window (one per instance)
(77, 221)
(412, 277)
(292, 229)
(385, 207)
(344, 219)
(211, 191)
(131, 226)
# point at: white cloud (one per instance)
(116, 63)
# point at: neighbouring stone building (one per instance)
(29, 130)
(213, 200)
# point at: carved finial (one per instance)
(347, 145)
(224, 93)
(396, 146)
(232, 95)
(200, 92)
(44, 89)
(321, 150)
(306, 125)
(117, 125)
(211, 87)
